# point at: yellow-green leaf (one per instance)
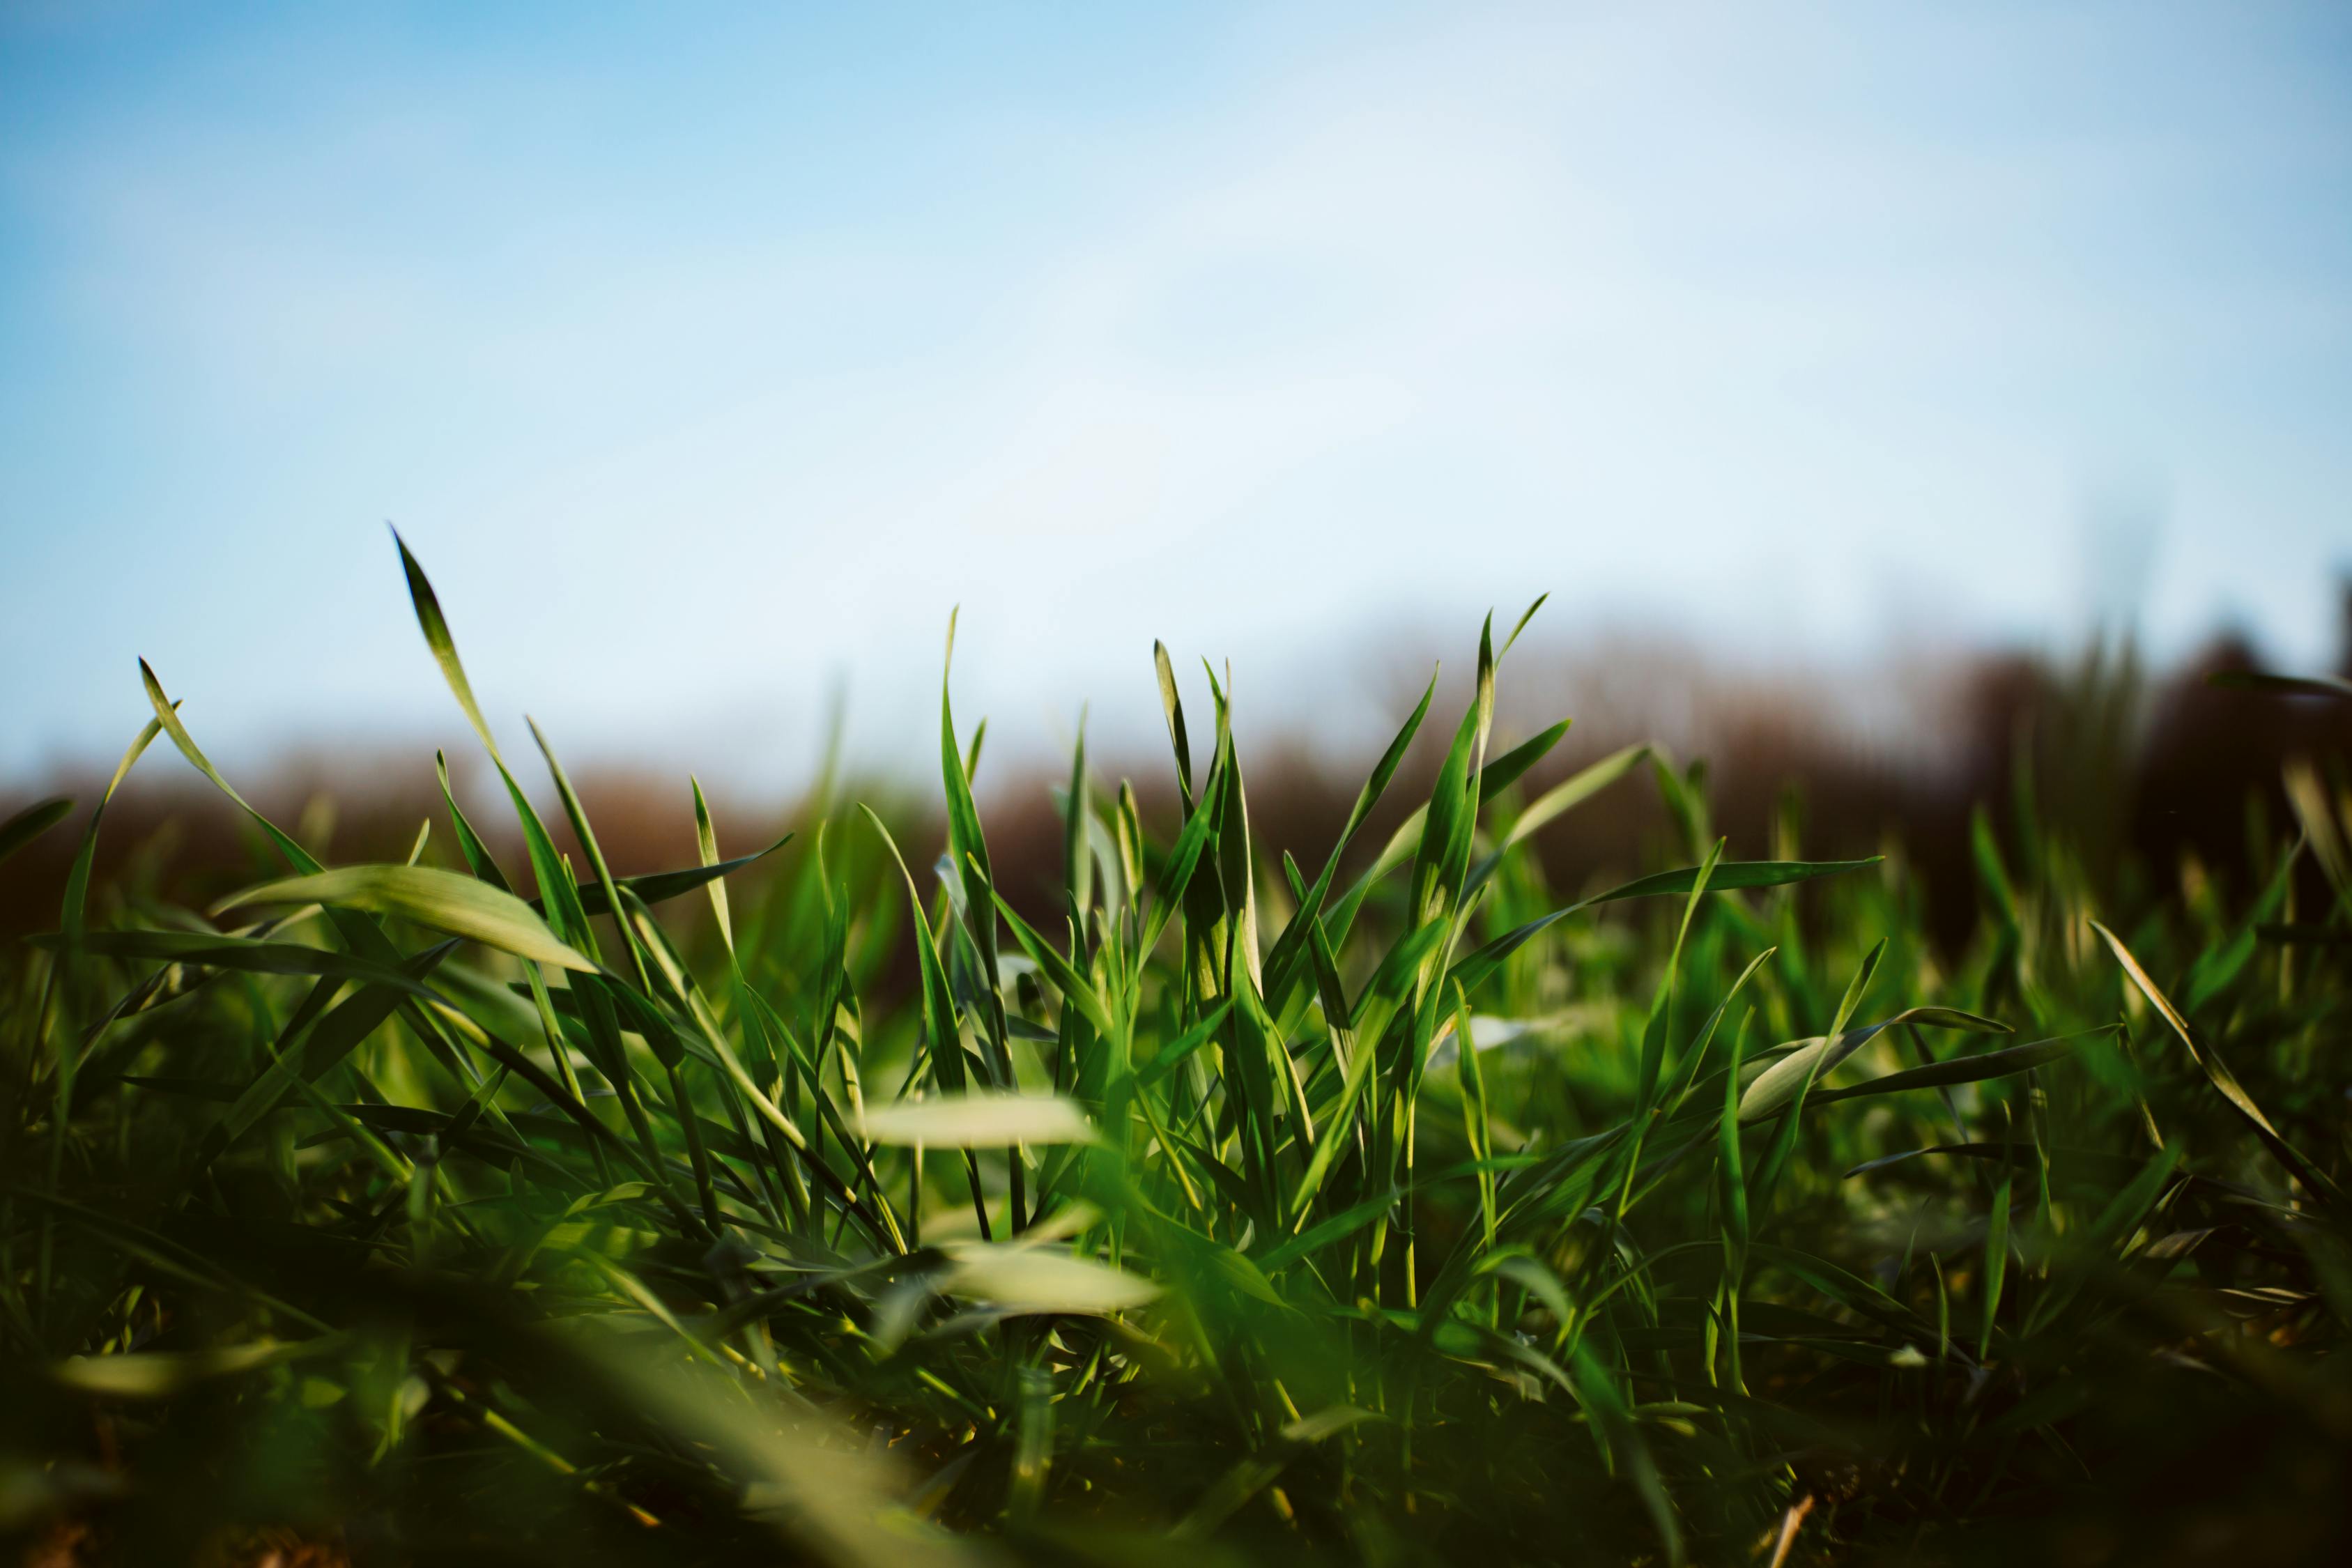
(445, 900)
(153, 1374)
(978, 1120)
(1039, 1279)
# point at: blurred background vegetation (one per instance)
(2142, 766)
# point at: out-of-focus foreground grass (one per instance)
(1394, 1207)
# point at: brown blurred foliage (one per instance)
(2135, 771)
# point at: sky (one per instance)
(707, 356)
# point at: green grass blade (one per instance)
(444, 900)
(2218, 1073)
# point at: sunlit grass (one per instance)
(1407, 1210)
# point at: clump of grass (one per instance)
(1409, 1210)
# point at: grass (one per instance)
(1396, 1209)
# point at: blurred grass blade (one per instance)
(157, 1374)
(978, 1120)
(1017, 1279)
(30, 824)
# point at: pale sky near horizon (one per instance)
(707, 356)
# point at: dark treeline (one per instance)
(2138, 771)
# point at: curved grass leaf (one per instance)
(435, 627)
(444, 900)
(2218, 1073)
(1978, 1069)
(1815, 1059)
(167, 714)
(1501, 773)
(77, 900)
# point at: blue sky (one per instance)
(709, 355)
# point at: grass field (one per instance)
(1396, 1208)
